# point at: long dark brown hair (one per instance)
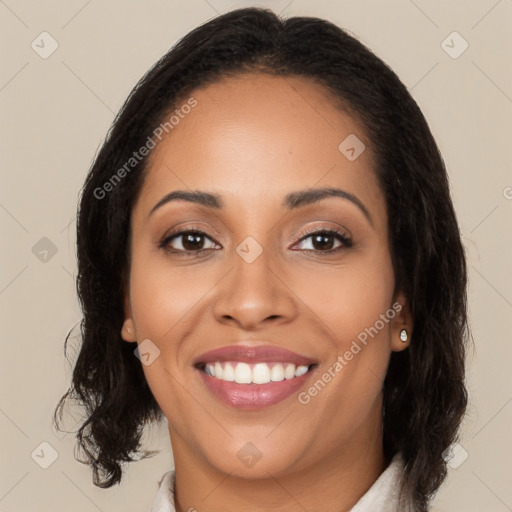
(424, 390)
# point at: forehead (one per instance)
(255, 138)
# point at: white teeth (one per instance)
(228, 373)
(243, 374)
(289, 371)
(259, 373)
(301, 370)
(277, 373)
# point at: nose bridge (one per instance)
(253, 291)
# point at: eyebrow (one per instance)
(290, 202)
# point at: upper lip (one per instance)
(253, 354)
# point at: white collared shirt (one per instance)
(381, 497)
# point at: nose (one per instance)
(254, 296)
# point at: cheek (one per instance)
(354, 303)
(164, 301)
(350, 299)
(164, 304)
(163, 298)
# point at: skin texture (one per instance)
(253, 139)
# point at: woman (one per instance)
(269, 257)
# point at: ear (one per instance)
(402, 321)
(128, 329)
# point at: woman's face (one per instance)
(258, 282)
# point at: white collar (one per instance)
(381, 497)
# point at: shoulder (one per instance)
(383, 494)
(164, 499)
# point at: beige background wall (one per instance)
(54, 114)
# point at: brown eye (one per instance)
(187, 241)
(324, 241)
(192, 241)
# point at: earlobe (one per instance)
(128, 331)
(402, 325)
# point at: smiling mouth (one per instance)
(254, 373)
(253, 377)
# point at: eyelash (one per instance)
(342, 237)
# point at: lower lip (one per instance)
(253, 396)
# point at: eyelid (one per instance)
(339, 229)
(191, 226)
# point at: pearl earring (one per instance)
(403, 335)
